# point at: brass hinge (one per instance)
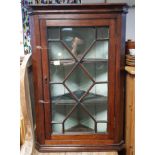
(43, 102)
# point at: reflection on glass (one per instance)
(78, 85)
(77, 39)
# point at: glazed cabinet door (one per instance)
(78, 73)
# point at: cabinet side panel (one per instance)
(120, 77)
(111, 73)
(37, 78)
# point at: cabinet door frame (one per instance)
(111, 76)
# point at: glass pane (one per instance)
(77, 39)
(98, 51)
(68, 85)
(53, 33)
(102, 89)
(57, 128)
(60, 69)
(96, 102)
(79, 121)
(62, 102)
(78, 82)
(103, 33)
(98, 70)
(101, 127)
(58, 51)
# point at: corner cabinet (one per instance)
(78, 71)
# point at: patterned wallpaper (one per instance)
(25, 17)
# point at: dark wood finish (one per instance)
(111, 101)
(37, 78)
(112, 15)
(111, 80)
(75, 8)
(120, 78)
(79, 148)
(45, 73)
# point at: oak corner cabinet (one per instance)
(78, 59)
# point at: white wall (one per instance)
(130, 24)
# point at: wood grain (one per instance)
(25, 103)
(130, 111)
(26, 109)
(130, 70)
(22, 130)
(76, 153)
(37, 78)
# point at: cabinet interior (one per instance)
(78, 62)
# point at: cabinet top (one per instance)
(78, 8)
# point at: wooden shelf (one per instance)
(73, 61)
(79, 128)
(89, 99)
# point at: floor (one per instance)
(78, 153)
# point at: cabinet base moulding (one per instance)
(77, 148)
